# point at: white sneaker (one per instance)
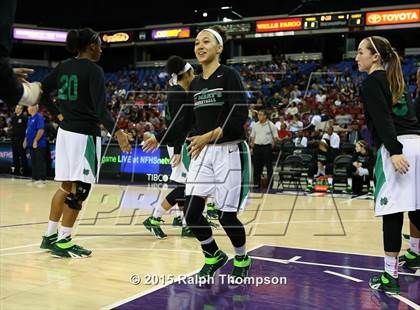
(31, 93)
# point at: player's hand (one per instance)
(400, 163)
(22, 73)
(197, 144)
(34, 145)
(60, 117)
(176, 159)
(123, 141)
(31, 93)
(150, 143)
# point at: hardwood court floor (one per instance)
(32, 279)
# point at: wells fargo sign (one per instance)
(393, 17)
(279, 24)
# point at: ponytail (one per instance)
(72, 41)
(395, 76)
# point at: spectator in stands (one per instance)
(316, 120)
(274, 101)
(20, 162)
(280, 122)
(263, 139)
(337, 101)
(333, 140)
(292, 109)
(353, 135)
(301, 141)
(35, 141)
(321, 97)
(284, 103)
(295, 125)
(295, 93)
(283, 133)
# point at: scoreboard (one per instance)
(333, 21)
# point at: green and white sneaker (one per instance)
(410, 260)
(212, 263)
(152, 224)
(330, 188)
(212, 211)
(66, 248)
(309, 188)
(385, 283)
(186, 233)
(241, 265)
(177, 221)
(348, 190)
(48, 241)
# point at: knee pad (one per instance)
(415, 218)
(74, 200)
(176, 196)
(392, 227)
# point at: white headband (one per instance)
(216, 34)
(174, 76)
(374, 46)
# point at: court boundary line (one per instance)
(312, 249)
(283, 261)
(343, 276)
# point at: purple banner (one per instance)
(171, 33)
(39, 35)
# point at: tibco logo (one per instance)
(157, 177)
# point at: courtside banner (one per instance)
(393, 17)
(115, 164)
(117, 37)
(45, 35)
(172, 33)
(274, 25)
